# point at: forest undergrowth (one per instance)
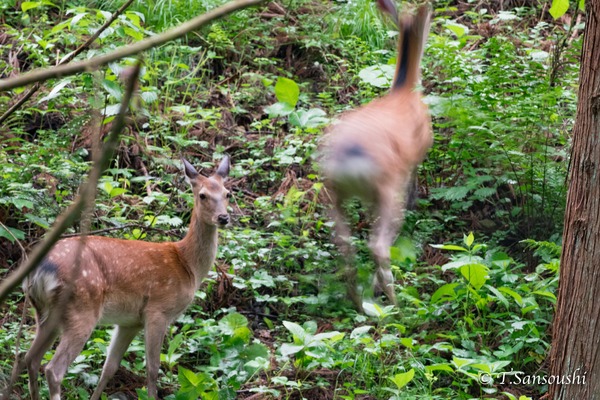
(476, 266)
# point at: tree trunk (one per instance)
(575, 348)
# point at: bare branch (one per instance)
(153, 41)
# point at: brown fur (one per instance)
(373, 152)
(132, 284)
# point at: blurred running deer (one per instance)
(372, 153)
(131, 284)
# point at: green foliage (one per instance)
(499, 147)
(261, 85)
(309, 349)
(560, 7)
(288, 93)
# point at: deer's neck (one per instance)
(199, 248)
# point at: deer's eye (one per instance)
(202, 196)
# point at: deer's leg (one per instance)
(390, 212)
(118, 346)
(77, 328)
(342, 239)
(412, 191)
(46, 334)
(155, 329)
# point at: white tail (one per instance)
(131, 284)
(373, 151)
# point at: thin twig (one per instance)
(126, 51)
(65, 60)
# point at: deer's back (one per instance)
(121, 279)
(375, 144)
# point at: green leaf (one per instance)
(279, 109)
(475, 274)
(287, 91)
(11, 234)
(255, 351)
(137, 35)
(453, 193)
(439, 367)
(461, 362)
(512, 294)
(380, 75)
(149, 97)
(444, 292)
(312, 118)
(261, 278)
(194, 386)
(287, 349)
(116, 192)
(501, 259)
(107, 187)
(297, 331)
(372, 309)
(456, 264)
(230, 323)
(41, 222)
(360, 331)
(333, 336)
(21, 203)
(135, 18)
(507, 16)
(546, 293)
(60, 26)
(257, 364)
(404, 249)
(29, 5)
(459, 30)
(113, 88)
(498, 295)
(187, 377)
(402, 379)
(469, 239)
(310, 327)
(448, 247)
(559, 8)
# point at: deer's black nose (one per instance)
(223, 219)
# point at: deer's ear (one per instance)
(190, 172)
(223, 169)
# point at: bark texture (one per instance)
(576, 334)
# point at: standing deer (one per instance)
(129, 283)
(372, 153)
